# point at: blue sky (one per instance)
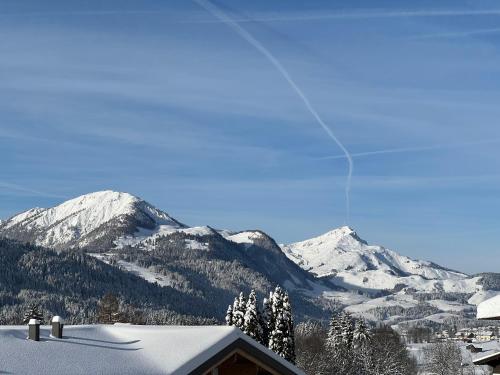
(162, 100)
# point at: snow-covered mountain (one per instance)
(93, 220)
(128, 233)
(336, 267)
(344, 257)
(380, 284)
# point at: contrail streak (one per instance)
(411, 149)
(208, 6)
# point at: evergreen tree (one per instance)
(33, 312)
(266, 318)
(108, 311)
(339, 344)
(281, 339)
(252, 323)
(289, 337)
(360, 335)
(229, 315)
(334, 338)
(276, 337)
(239, 308)
(235, 307)
(347, 326)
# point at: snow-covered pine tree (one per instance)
(281, 339)
(277, 336)
(33, 312)
(289, 334)
(252, 322)
(334, 338)
(266, 319)
(229, 315)
(236, 307)
(347, 326)
(239, 308)
(360, 334)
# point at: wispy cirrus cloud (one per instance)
(317, 15)
(26, 190)
(457, 34)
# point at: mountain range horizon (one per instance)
(346, 229)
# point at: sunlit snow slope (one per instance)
(84, 220)
(351, 262)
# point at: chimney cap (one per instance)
(33, 322)
(57, 319)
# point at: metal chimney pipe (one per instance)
(57, 327)
(34, 330)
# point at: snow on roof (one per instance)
(487, 358)
(489, 309)
(119, 349)
(33, 322)
(57, 319)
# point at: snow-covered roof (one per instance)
(121, 349)
(489, 309)
(484, 360)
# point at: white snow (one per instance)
(198, 231)
(403, 300)
(247, 238)
(79, 216)
(341, 250)
(196, 245)
(119, 349)
(144, 273)
(146, 238)
(19, 218)
(489, 348)
(482, 295)
(448, 305)
(489, 309)
(350, 262)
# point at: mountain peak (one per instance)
(342, 253)
(105, 195)
(338, 235)
(82, 220)
(340, 231)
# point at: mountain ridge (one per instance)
(337, 267)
